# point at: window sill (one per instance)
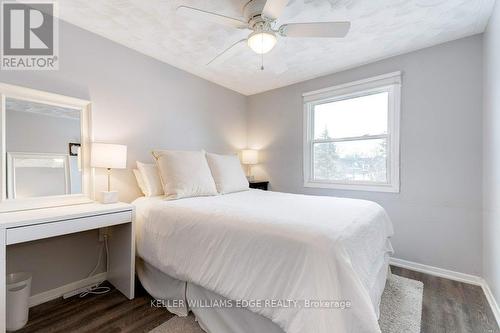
(354, 187)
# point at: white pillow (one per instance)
(151, 179)
(140, 181)
(227, 172)
(184, 174)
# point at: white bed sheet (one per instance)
(175, 295)
(258, 245)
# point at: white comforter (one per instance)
(258, 245)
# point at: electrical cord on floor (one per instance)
(98, 289)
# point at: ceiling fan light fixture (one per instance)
(262, 42)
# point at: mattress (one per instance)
(267, 246)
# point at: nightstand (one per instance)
(260, 185)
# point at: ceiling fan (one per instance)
(260, 17)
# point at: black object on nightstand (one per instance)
(260, 185)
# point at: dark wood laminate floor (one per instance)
(448, 307)
(107, 313)
(451, 306)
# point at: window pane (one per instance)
(351, 161)
(366, 115)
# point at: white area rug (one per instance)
(400, 310)
(401, 305)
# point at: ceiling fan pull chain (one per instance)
(262, 56)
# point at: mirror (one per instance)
(38, 139)
(45, 144)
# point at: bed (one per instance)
(291, 263)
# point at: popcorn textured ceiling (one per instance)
(380, 29)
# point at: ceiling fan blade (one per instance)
(320, 29)
(274, 8)
(201, 14)
(227, 53)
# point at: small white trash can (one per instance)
(18, 293)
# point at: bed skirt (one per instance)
(176, 296)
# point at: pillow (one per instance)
(151, 179)
(227, 172)
(140, 181)
(184, 174)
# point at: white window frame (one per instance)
(390, 83)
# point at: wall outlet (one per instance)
(102, 232)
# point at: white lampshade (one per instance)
(109, 156)
(262, 42)
(249, 156)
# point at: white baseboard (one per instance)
(493, 303)
(452, 275)
(49, 295)
(444, 273)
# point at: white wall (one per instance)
(147, 104)
(137, 101)
(491, 153)
(437, 215)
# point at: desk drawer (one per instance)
(64, 227)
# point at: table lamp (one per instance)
(249, 157)
(108, 156)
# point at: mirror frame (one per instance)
(38, 96)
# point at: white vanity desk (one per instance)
(47, 183)
(30, 225)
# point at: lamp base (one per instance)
(108, 197)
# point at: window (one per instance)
(351, 135)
